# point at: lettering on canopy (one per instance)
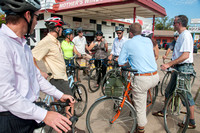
(63, 4)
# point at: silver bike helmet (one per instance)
(119, 28)
(19, 6)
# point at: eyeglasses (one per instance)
(175, 23)
(119, 32)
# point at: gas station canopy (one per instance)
(108, 9)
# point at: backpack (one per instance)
(114, 86)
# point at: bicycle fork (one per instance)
(121, 104)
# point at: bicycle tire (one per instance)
(105, 78)
(104, 109)
(92, 81)
(179, 114)
(80, 95)
(151, 98)
(165, 82)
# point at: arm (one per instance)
(76, 52)
(91, 46)
(123, 56)
(156, 52)
(183, 57)
(45, 75)
(166, 53)
(112, 51)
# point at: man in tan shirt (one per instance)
(49, 50)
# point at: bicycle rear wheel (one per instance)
(102, 112)
(165, 82)
(176, 111)
(151, 98)
(80, 95)
(92, 81)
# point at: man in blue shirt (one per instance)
(117, 43)
(139, 53)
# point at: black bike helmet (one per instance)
(80, 29)
(19, 6)
(119, 28)
(99, 33)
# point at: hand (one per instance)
(57, 121)
(116, 59)
(79, 55)
(110, 57)
(164, 57)
(65, 97)
(45, 75)
(164, 66)
(89, 52)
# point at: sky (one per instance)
(190, 8)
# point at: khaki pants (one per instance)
(141, 85)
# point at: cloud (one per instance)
(184, 2)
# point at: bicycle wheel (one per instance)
(102, 112)
(92, 81)
(80, 95)
(165, 82)
(151, 98)
(176, 111)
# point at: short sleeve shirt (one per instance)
(80, 43)
(49, 50)
(184, 44)
(67, 48)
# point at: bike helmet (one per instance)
(67, 32)
(148, 34)
(176, 34)
(19, 6)
(99, 33)
(119, 28)
(53, 22)
(80, 29)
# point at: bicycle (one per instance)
(94, 75)
(151, 94)
(176, 109)
(61, 109)
(166, 79)
(80, 94)
(114, 112)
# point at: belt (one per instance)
(6, 113)
(184, 64)
(146, 74)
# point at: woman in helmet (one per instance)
(149, 34)
(68, 47)
(100, 46)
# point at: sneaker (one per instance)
(159, 113)
(190, 126)
(76, 130)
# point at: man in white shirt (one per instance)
(117, 44)
(182, 60)
(21, 81)
(81, 44)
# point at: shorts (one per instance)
(62, 85)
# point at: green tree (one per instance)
(2, 19)
(164, 23)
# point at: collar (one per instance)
(53, 38)
(121, 39)
(7, 31)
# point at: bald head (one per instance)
(135, 29)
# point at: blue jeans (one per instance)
(172, 83)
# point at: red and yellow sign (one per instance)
(64, 5)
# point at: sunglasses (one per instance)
(37, 16)
(119, 32)
(175, 23)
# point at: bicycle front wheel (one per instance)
(103, 111)
(176, 111)
(92, 81)
(164, 83)
(80, 95)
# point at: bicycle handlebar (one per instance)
(61, 104)
(170, 69)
